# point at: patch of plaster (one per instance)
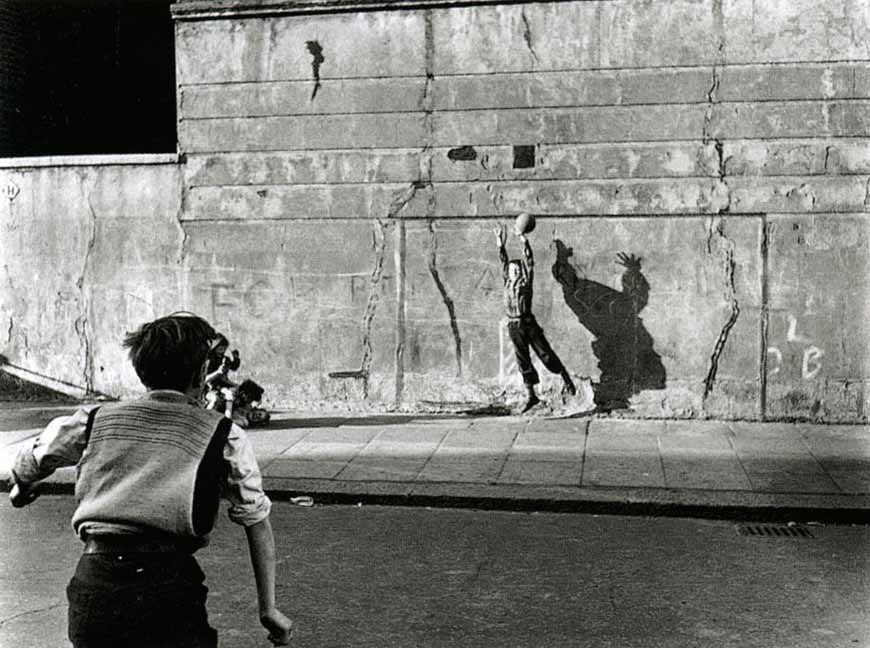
(726, 250)
(448, 302)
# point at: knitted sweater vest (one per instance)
(152, 464)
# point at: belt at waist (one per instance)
(104, 543)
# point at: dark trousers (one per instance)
(140, 600)
(524, 333)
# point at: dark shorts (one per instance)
(139, 600)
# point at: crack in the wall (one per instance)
(723, 181)
(717, 228)
(708, 134)
(379, 245)
(182, 277)
(765, 317)
(82, 322)
(527, 35)
(399, 258)
(9, 331)
(317, 60)
(706, 137)
(29, 612)
(448, 302)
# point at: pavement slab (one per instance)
(591, 461)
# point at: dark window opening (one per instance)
(524, 157)
(82, 77)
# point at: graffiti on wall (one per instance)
(811, 356)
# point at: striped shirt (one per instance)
(518, 292)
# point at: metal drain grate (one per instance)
(773, 531)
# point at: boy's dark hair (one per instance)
(248, 392)
(219, 346)
(169, 352)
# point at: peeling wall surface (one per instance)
(88, 253)
(700, 171)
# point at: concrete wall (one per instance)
(88, 253)
(340, 163)
(342, 171)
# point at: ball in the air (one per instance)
(525, 223)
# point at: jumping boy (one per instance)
(523, 328)
(150, 474)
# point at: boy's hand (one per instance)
(279, 626)
(500, 235)
(22, 496)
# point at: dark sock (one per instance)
(569, 384)
(532, 400)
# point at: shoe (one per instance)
(533, 400)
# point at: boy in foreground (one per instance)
(150, 474)
(523, 328)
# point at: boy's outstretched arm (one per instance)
(500, 239)
(60, 444)
(529, 258)
(261, 543)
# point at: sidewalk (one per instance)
(770, 471)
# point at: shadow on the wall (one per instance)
(623, 346)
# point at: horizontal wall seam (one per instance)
(289, 149)
(205, 10)
(472, 217)
(723, 67)
(620, 180)
(445, 111)
(626, 144)
(132, 159)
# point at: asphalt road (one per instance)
(376, 576)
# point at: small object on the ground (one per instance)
(302, 500)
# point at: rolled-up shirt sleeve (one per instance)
(61, 444)
(244, 486)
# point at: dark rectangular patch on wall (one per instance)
(524, 156)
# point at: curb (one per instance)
(714, 505)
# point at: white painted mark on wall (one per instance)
(812, 362)
(776, 353)
(792, 334)
(10, 190)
